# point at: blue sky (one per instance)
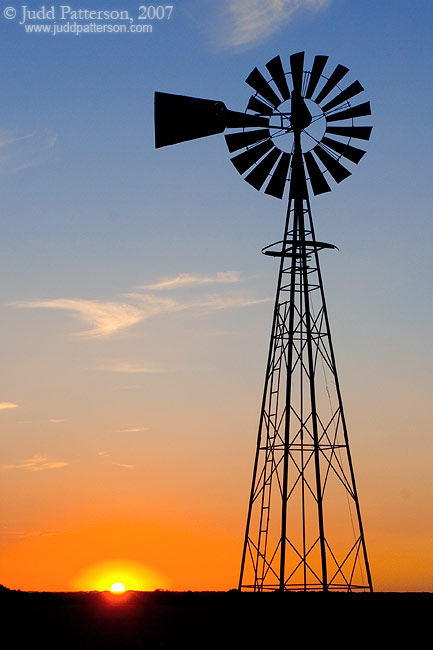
(135, 302)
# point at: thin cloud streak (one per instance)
(152, 306)
(246, 22)
(4, 406)
(106, 454)
(219, 303)
(193, 280)
(7, 138)
(105, 317)
(38, 463)
(21, 152)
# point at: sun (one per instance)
(118, 576)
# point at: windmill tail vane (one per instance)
(304, 530)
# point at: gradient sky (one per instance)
(136, 307)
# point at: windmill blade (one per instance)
(259, 107)
(241, 140)
(354, 111)
(351, 153)
(335, 168)
(261, 171)
(333, 80)
(246, 159)
(317, 69)
(350, 91)
(278, 181)
(277, 73)
(257, 81)
(317, 179)
(297, 68)
(359, 132)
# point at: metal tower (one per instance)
(304, 529)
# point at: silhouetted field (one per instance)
(210, 620)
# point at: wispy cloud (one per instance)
(4, 406)
(151, 306)
(194, 280)
(54, 421)
(18, 152)
(38, 463)
(104, 317)
(134, 430)
(106, 454)
(218, 303)
(245, 22)
(109, 317)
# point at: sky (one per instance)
(136, 306)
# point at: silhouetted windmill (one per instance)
(304, 528)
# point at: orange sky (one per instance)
(189, 539)
(146, 475)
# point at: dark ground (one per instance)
(210, 620)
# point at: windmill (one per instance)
(304, 529)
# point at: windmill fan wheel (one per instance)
(307, 101)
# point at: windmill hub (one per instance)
(282, 126)
(301, 116)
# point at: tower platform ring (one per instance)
(288, 252)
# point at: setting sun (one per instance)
(104, 576)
